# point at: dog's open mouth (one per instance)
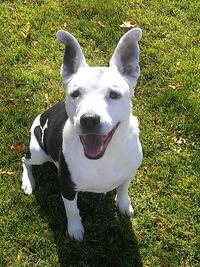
(94, 145)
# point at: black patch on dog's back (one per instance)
(38, 135)
(52, 139)
(49, 135)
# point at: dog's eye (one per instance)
(75, 94)
(114, 94)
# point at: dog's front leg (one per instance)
(123, 200)
(74, 224)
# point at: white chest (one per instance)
(99, 177)
(120, 162)
(106, 173)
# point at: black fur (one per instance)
(38, 135)
(50, 140)
(57, 117)
(28, 153)
(67, 187)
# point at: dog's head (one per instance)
(99, 98)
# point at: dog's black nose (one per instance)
(90, 121)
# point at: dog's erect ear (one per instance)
(126, 56)
(73, 56)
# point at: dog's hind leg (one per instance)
(123, 200)
(34, 155)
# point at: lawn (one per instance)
(165, 230)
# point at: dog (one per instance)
(92, 137)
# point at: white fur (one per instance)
(74, 224)
(94, 84)
(122, 158)
(28, 181)
(43, 129)
(123, 154)
(38, 157)
(122, 199)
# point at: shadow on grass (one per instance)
(109, 238)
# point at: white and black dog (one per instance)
(92, 137)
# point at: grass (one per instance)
(165, 193)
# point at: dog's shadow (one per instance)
(109, 238)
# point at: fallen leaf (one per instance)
(178, 150)
(166, 229)
(186, 234)
(157, 167)
(26, 30)
(176, 86)
(15, 23)
(158, 218)
(172, 86)
(11, 8)
(136, 92)
(138, 235)
(154, 190)
(46, 102)
(101, 24)
(65, 25)
(10, 100)
(178, 139)
(6, 172)
(145, 168)
(129, 24)
(18, 148)
(19, 256)
(34, 44)
(186, 263)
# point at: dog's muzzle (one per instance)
(94, 145)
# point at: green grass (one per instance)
(165, 229)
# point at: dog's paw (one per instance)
(76, 230)
(27, 189)
(28, 185)
(125, 208)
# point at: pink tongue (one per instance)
(92, 144)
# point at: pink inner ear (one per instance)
(126, 55)
(73, 56)
(128, 69)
